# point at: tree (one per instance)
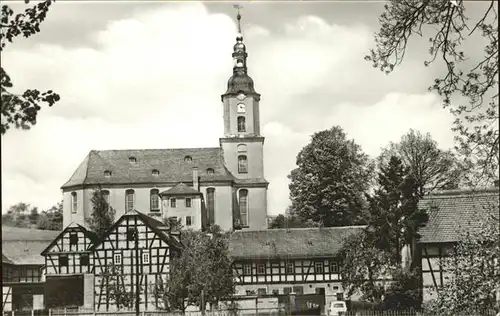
(431, 167)
(202, 268)
(103, 215)
(393, 221)
(19, 215)
(474, 269)
(174, 223)
(476, 124)
(114, 282)
(51, 219)
(331, 177)
(290, 221)
(21, 110)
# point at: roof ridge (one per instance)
(475, 192)
(143, 149)
(304, 228)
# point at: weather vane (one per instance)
(238, 7)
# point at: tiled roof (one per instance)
(180, 189)
(24, 245)
(170, 163)
(5, 259)
(454, 211)
(290, 243)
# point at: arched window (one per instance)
(74, 202)
(211, 205)
(241, 124)
(243, 204)
(242, 148)
(155, 200)
(242, 164)
(129, 200)
(105, 195)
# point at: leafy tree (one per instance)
(202, 268)
(404, 293)
(290, 221)
(114, 282)
(331, 177)
(21, 110)
(431, 167)
(474, 272)
(173, 223)
(103, 215)
(34, 215)
(448, 26)
(20, 215)
(51, 219)
(393, 221)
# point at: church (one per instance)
(224, 185)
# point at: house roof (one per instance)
(453, 211)
(170, 163)
(180, 189)
(290, 243)
(5, 259)
(24, 245)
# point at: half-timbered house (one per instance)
(131, 257)
(23, 267)
(451, 213)
(69, 268)
(282, 261)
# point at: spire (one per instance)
(238, 17)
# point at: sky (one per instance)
(149, 75)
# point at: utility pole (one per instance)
(137, 279)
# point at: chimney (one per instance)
(196, 182)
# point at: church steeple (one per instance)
(240, 81)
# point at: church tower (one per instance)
(242, 143)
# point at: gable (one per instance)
(169, 163)
(74, 238)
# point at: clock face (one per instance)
(241, 108)
(241, 96)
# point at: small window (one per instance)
(290, 268)
(241, 148)
(261, 268)
(145, 258)
(210, 171)
(318, 267)
(74, 202)
(73, 239)
(334, 267)
(172, 202)
(261, 292)
(63, 261)
(155, 200)
(107, 173)
(241, 124)
(247, 269)
(188, 159)
(84, 260)
(131, 234)
(117, 258)
(132, 159)
(242, 164)
(129, 200)
(287, 290)
(276, 292)
(188, 202)
(188, 221)
(298, 290)
(155, 172)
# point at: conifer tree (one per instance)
(103, 215)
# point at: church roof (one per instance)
(169, 166)
(455, 210)
(180, 189)
(290, 243)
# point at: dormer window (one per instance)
(155, 172)
(132, 160)
(210, 171)
(188, 159)
(107, 173)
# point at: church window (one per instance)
(188, 159)
(211, 205)
(107, 173)
(241, 124)
(241, 148)
(74, 202)
(132, 159)
(105, 195)
(129, 200)
(243, 203)
(210, 171)
(155, 200)
(241, 108)
(155, 172)
(188, 202)
(242, 164)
